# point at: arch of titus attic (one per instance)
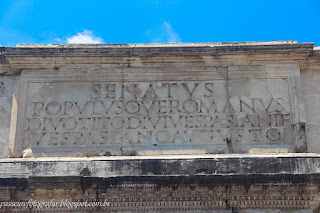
(213, 127)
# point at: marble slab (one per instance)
(126, 111)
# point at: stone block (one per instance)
(313, 138)
(6, 95)
(310, 78)
(126, 111)
(268, 150)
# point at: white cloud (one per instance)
(57, 40)
(85, 37)
(163, 33)
(173, 37)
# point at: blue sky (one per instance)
(145, 21)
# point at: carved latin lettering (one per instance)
(163, 136)
(33, 124)
(132, 107)
(190, 106)
(95, 91)
(37, 107)
(273, 134)
(110, 91)
(208, 90)
(190, 92)
(155, 115)
(53, 108)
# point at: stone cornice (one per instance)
(149, 49)
(64, 56)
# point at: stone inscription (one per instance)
(212, 115)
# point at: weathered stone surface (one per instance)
(163, 100)
(286, 182)
(118, 112)
(131, 198)
(268, 150)
(226, 97)
(6, 95)
(152, 55)
(310, 78)
(172, 165)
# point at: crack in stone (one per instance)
(228, 139)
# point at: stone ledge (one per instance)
(107, 167)
(147, 49)
(73, 182)
(83, 57)
(109, 158)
